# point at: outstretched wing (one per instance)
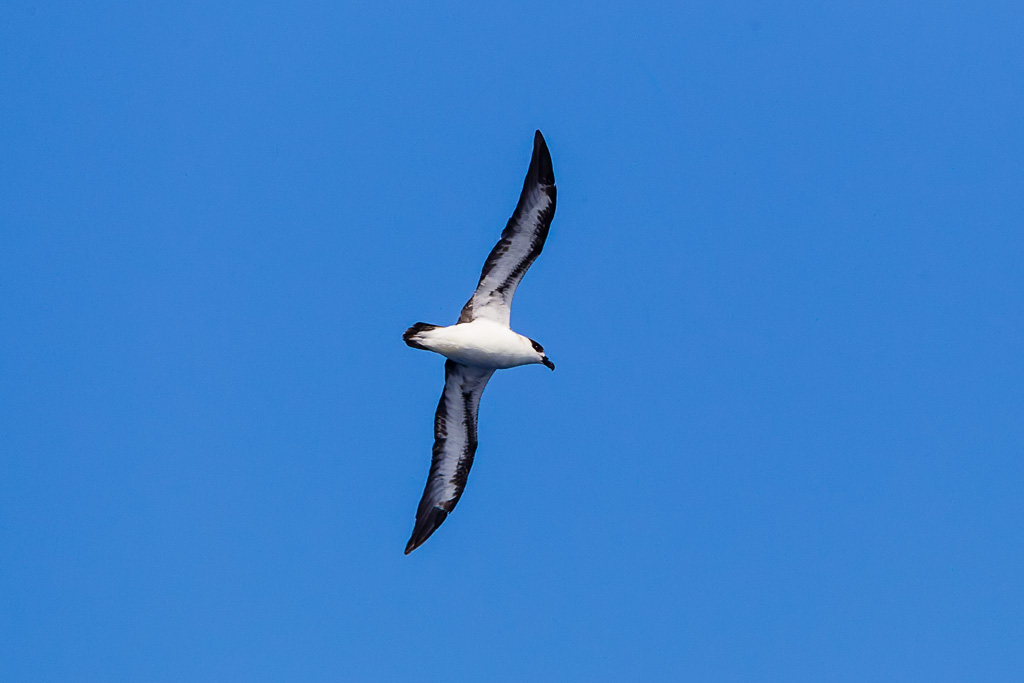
(454, 446)
(520, 243)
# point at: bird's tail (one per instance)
(414, 335)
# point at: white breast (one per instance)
(481, 343)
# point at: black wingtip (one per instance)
(425, 526)
(541, 161)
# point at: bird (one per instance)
(481, 342)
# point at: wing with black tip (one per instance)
(454, 446)
(520, 244)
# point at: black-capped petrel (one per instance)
(480, 343)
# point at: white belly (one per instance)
(481, 343)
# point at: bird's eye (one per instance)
(537, 347)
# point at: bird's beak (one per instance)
(546, 361)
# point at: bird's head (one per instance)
(541, 358)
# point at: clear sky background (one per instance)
(783, 288)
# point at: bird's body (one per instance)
(480, 343)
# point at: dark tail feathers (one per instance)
(410, 335)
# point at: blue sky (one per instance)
(783, 289)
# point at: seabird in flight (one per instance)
(480, 343)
